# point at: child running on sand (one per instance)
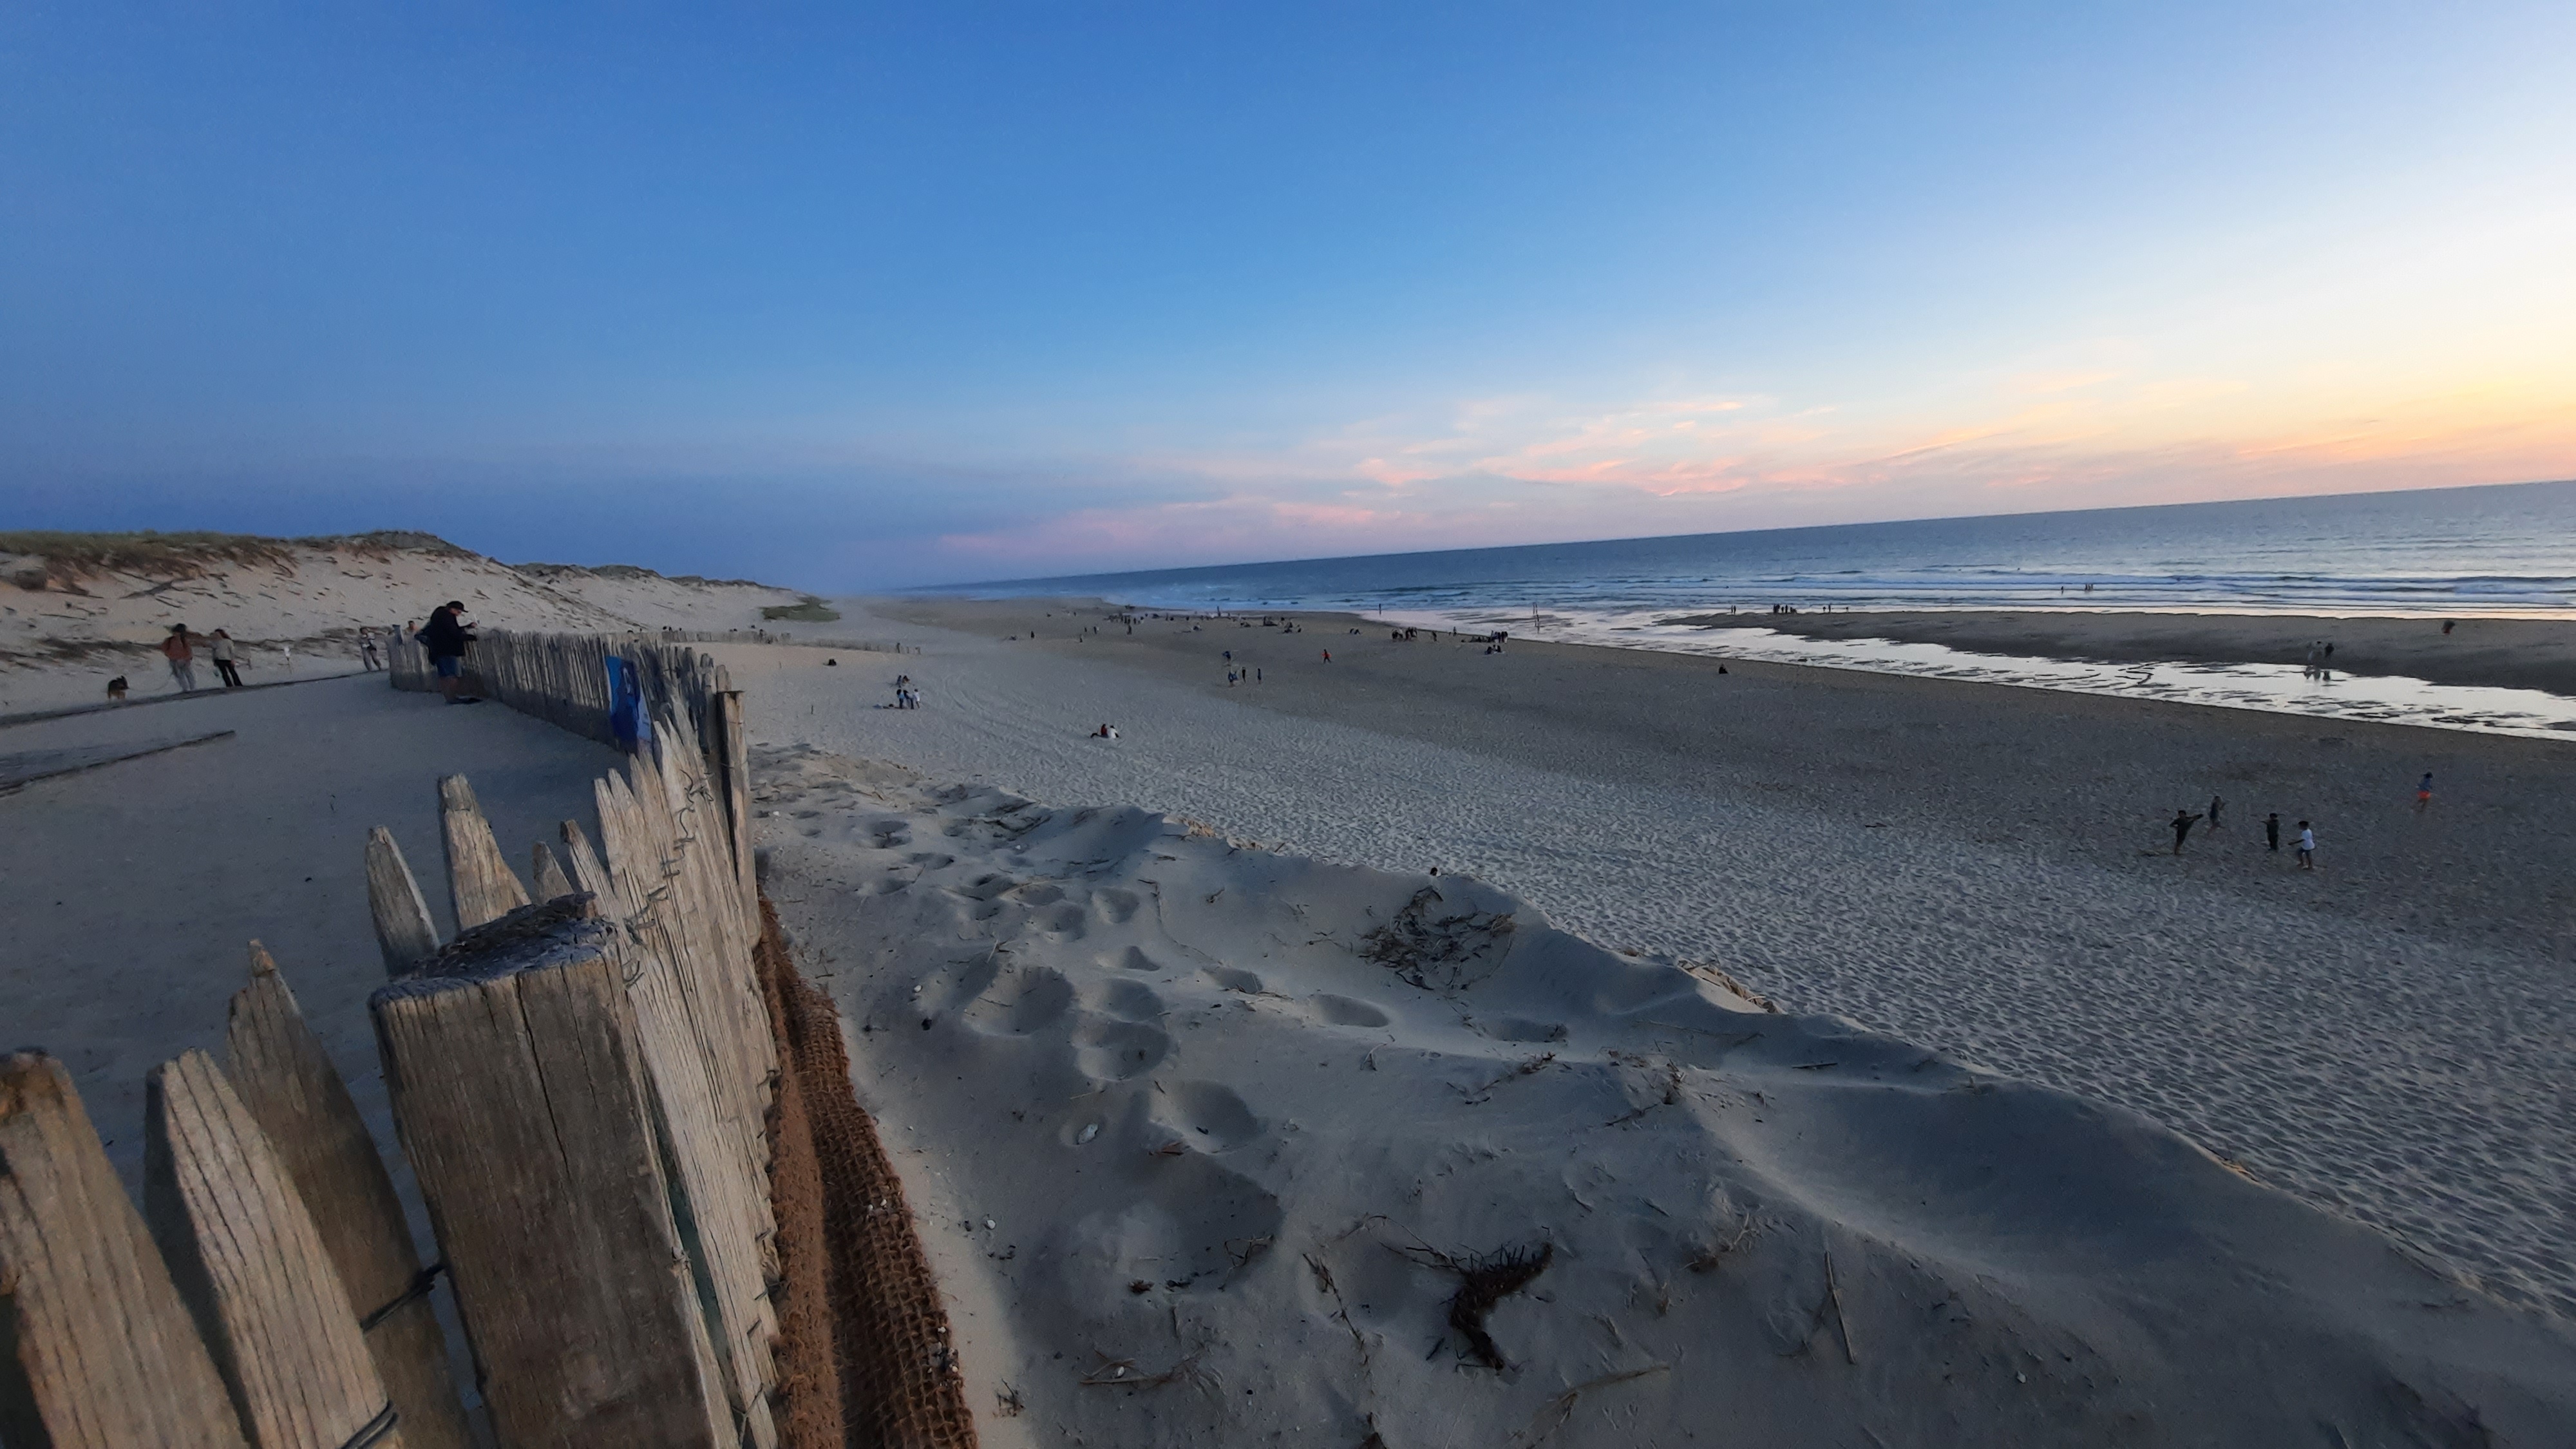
(2182, 822)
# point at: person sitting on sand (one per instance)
(2182, 823)
(183, 660)
(2424, 790)
(116, 690)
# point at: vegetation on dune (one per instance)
(68, 556)
(807, 610)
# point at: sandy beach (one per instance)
(1933, 880)
(2514, 653)
(1980, 869)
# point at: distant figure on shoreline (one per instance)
(367, 654)
(2217, 803)
(1105, 732)
(2307, 847)
(2424, 791)
(116, 690)
(2182, 822)
(1328, 656)
(2272, 831)
(183, 660)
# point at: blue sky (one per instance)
(857, 298)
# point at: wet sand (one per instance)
(2514, 653)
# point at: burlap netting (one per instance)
(864, 1353)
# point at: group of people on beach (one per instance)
(2305, 843)
(907, 695)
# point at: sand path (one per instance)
(130, 889)
(2398, 1051)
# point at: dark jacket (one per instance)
(443, 636)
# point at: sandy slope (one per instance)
(1202, 1138)
(296, 608)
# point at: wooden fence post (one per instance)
(283, 1076)
(96, 1349)
(403, 928)
(478, 878)
(732, 751)
(246, 1258)
(519, 1087)
(548, 874)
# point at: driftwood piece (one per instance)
(477, 877)
(251, 1268)
(403, 927)
(548, 873)
(96, 1349)
(279, 1069)
(519, 1087)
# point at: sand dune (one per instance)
(1210, 1143)
(74, 615)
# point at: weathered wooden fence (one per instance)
(563, 679)
(580, 1080)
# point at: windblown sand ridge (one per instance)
(1212, 1144)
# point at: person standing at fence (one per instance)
(444, 638)
(227, 660)
(183, 659)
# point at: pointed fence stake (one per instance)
(286, 1080)
(403, 927)
(246, 1258)
(103, 1353)
(477, 877)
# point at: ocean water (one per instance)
(2506, 551)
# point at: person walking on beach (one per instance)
(367, 654)
(445, 637)
(183, 660)
(2216, 804)
(2307, 847)
(227, 660)
(2182, 822)
(2424, 791)
(2272, 831)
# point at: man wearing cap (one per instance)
(445, 637)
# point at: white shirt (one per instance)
(2307, 840)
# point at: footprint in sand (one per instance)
(1117, 907)
(1112, 1051)
(1344, 1011)
(1134, 959)
(1131, 1001)
(1520, 1029)
(1207, 1115)
(1024, 1002)
(1234, 980)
